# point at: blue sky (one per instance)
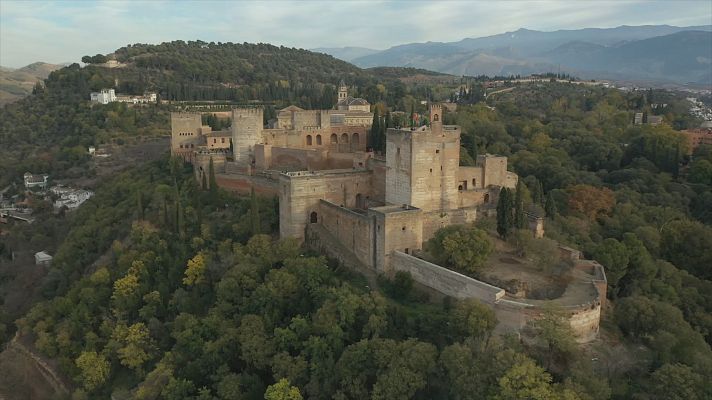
(63, 31)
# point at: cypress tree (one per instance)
(550, 205)
(254, 212)
(213, 185)
(373, 134)
(180, 220)
(139, 206)
(204, 184)
(474, 149)
(504, 213)
(165, 212)
(540, 192)
(519, 220)
(412, 115)
(387, 123)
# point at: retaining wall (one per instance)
(444, 280)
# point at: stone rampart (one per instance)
(350, 228)
(444, 280)
(243, 184)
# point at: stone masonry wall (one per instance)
(351, 229)
(300, 193)
(444, 280)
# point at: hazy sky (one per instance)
(63, 31)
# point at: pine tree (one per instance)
(550, 205)
(254, 212)
(505, 219)
(519, 220)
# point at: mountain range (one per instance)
(18, 83)
(658, 53)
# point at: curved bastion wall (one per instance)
(514, 314)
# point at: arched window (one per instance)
(313, 217)
(436, 118)
(474, 183)
(359, 201)
(459, 187)
(486, 197)
(309, 140)
(344, 138)
(318, 140)
(334, 139)
(354, 139)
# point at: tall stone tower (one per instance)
(343, 91)
(436, 119)
(185, 132)
(247, 126)
(422, 165)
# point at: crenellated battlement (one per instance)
(248, 111)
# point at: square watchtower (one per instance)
(422, 165)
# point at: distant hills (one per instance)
(661, 53)
(346, 53)
(18, 83)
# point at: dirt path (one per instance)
(25, 375)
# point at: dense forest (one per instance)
(163, 289)
(196, 300)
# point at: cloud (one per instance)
(55, 31)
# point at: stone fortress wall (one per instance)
(372, 213)
(513, 314)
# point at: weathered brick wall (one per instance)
(300, 193)
(243, 184)
(351, 229)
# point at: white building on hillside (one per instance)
(69, 197)
(42, 258)
(106, 96)
(35, 181)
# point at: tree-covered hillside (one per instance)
(196, 301)
(162, 289)
(50, 130)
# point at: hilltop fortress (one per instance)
(371, 212)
